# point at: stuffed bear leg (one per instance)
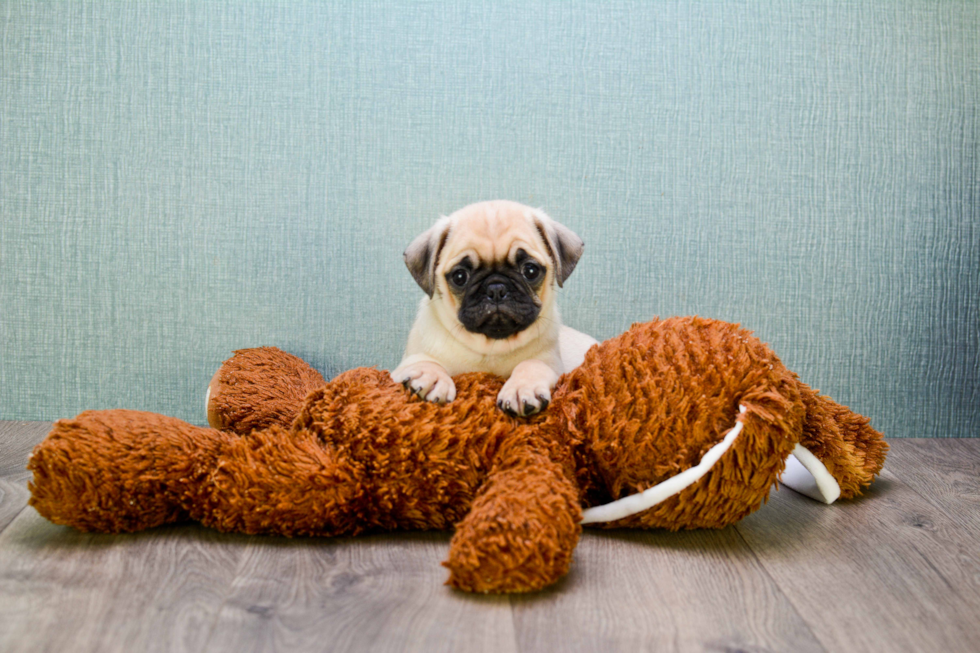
(279, 482)
(120, 470)
(837, 447)
(257, 388)
(522, 528)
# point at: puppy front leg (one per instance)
(424, 376)
(528, 390)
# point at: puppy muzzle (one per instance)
(498, 308)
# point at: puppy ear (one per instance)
(422, 255)
(564, 245)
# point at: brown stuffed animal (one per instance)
(681, 423)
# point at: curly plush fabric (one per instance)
(301, 457)
(257, 388)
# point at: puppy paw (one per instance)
(528, 390)
(428, 380)
(520, 400)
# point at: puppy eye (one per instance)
(458, 277)
(531, 271)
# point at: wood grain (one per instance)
(17, 439)
(885, 572)
(894, 570)
(946, 473)
(13, 497)
(660, 591)
(153, 591)
(379, 593)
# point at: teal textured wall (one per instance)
(179, 180)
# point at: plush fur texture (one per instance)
(361, 454)
(257, 388)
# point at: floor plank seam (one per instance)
(229, 589)
(782, 592)
(929, 497)
(892, 570)
(13, 519)
(513, 624)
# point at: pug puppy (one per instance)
(489, 272)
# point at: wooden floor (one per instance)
(897, 570)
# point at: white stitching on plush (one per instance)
(651, 496)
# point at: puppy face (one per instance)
(499, 298)
(489, 270)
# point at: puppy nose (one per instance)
(497, 292)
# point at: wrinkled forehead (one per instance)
(494, 232)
